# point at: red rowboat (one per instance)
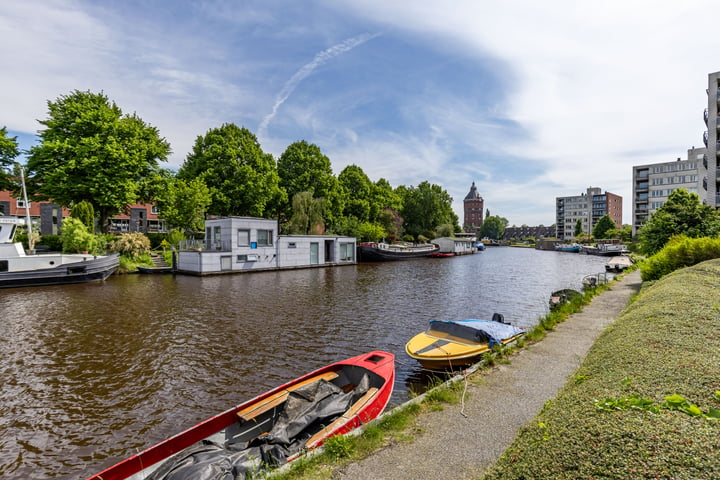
(273, 428)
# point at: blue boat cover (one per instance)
(476, 330)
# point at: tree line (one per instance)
(90, 152)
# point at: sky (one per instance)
(529, 100)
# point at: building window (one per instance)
(21, 203)
(154, 210)
(347, 252)
(243, 238)
(264, 238)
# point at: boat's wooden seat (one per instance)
(346, 417)
(252, 411)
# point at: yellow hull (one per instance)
(437, 351)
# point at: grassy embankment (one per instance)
(645, 402)
(400, 425)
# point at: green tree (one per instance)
(603, 226)
(578, 228)
(8, 151)
(682, 214)
(358, 188)
(383, 197)
(307, 217)
(425, 207)
(84, 212)
(302, 167)
(493, 227)
(243, 180)
(624, 233)
(183, 203)
(90, 151)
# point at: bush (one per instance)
(76, 238)
(679, 252)
(131, 244)
(175, 237)
(52, 242)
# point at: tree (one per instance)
(493, 227)
(90, 151)
(84, 212)
(183, 203)
(683, 213)
(425, 207)
(8, 151)
(243, 180)
(603, 226)
(307, 215)
(624, 233)
(358, 188)
(303, 168)
(578, 228)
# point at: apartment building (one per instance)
(653, 183)
(588, 208)
(711, 138)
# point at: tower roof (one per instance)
(473, 194)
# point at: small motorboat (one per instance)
(271, 429)
(456, 344)
(618, 263)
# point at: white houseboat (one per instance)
(242, 244)
(455, 245)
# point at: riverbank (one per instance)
(555, 413)
(463, 441)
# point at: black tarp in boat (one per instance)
(306, 411)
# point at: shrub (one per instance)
(131, 244)
(679, 252)
(175, 237)
(76, 238)
(52, 242)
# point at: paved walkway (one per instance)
(464, 447)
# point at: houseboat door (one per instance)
(329, 251)
(225, 263)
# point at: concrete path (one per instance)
(464, 447)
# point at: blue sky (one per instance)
(530, 101)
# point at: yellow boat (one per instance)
(460, 343)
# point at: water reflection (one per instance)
(91, 373)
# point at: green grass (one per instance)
(645, 402)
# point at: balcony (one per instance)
(705, 163)
(705, 138)
(705, 116)
(641, 186)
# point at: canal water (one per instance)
(93, 373)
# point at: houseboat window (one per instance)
(347, 252)
(292, 245)
(314, 253)
(264, 238)
(241, 258)
(243, 238)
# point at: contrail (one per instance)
(307, 69)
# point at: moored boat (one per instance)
(18, 269)
(381, 252)
(561, 297)
(271, 429)
(450, 344)
(618, 263)
(563, 247)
